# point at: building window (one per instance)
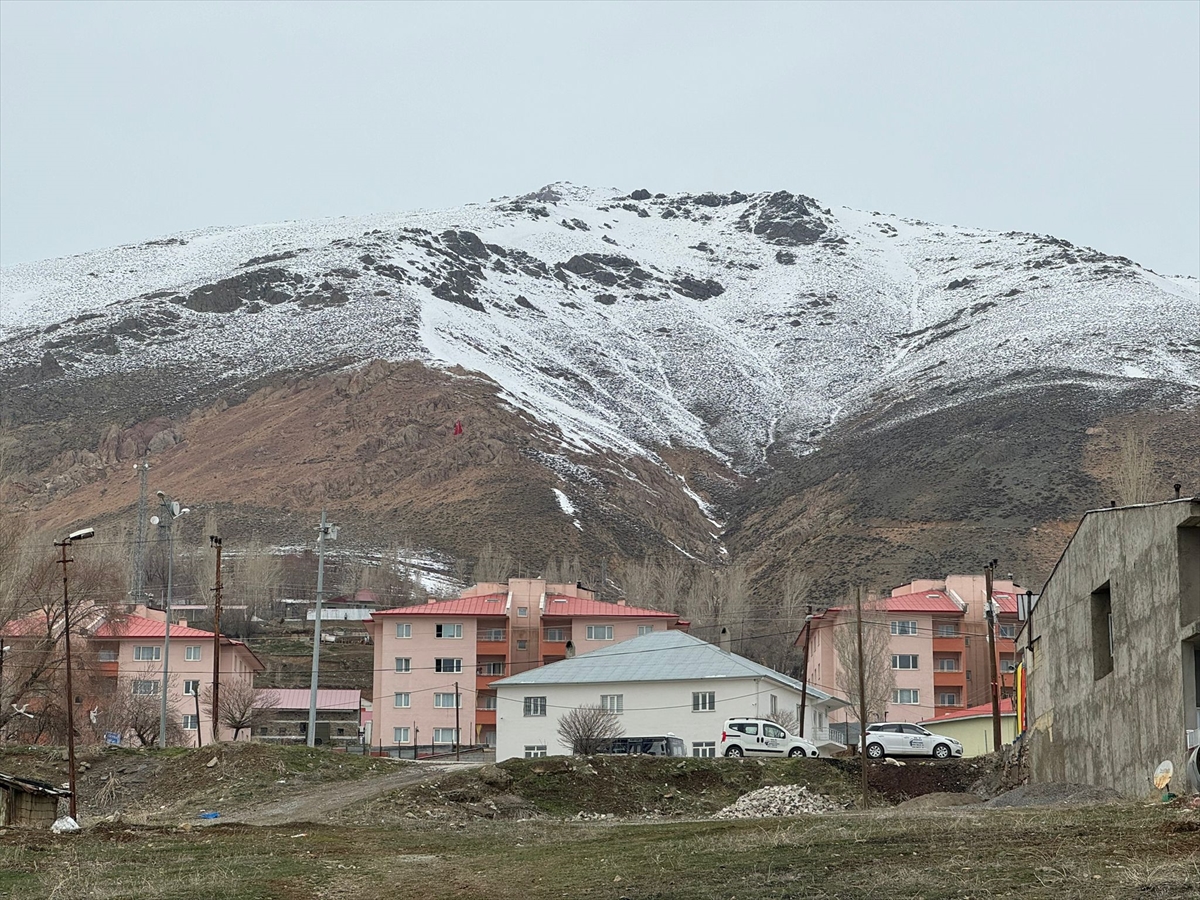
(107, 656)
(491, 668)
(492, 634)
(403, 629)
(447, 665)
(535, 706)
(908, 627)
(950, 699)
(1102, 632)
(192, 654)
(1008, 630)
(906, 696)
(486, 701)
(445, 736)
(534, 751)
(401, 700)
(774, 704)
(403, 664)
(145, 688)
(448, 631)
(904, 660)
(556, 635)
(599, 632)
(704, 748)
(947, 630)
(147, 654)
(444, 701)
(522, 645)
(522, 611)
(400, 735)
(191, 688)
(704, 701)
(645, 629)
(947, 665)
(613, 703)
(1007, 665)
(191, 723)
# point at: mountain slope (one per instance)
(710, 337)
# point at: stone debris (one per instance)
(778, 800)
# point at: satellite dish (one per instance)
(154, 520)
(1163, 774)
(570, 649)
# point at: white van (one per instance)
(762, 737)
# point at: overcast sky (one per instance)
(121, 122)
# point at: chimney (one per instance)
(432, 600)
(182, 623)
(726, 641)
(1178, 488)
(621, 601)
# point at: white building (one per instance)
(665, 682)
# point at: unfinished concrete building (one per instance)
(1112, 650)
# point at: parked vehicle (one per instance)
(905, 739)
(762, 737)
(658, 745)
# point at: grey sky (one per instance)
(121, 122)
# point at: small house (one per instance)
(27, 802)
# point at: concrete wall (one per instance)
(1113, 730)
(974, 733)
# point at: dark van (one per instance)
(656, 745)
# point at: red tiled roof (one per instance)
(141, 627)
(485, 605)
(32, 625)
(557, 605)
(971, 712)
(1007, 602)
(923, 601)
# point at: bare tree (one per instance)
(639, 582)
(243, 707)
(493, 565)
(1134, 480)
(670, 578)
(585, 728)
(878, 678)
(785, 720)
(135, 707)
(563, 570)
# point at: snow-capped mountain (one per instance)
(725, 322)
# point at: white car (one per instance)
(761, 737)
(904, 739)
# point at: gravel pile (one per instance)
(1055, 795)
(777, 800)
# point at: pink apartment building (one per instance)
(431, 656)
(130, 650)
(937, 641)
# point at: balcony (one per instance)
(484, 682)
(485, 717)
(491, 642)
(949, 644)
(949, 678)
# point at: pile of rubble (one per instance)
(778, 800)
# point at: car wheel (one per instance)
(734, 751)
(875, 751)
(796, 751)
(941, 751)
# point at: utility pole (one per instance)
(76, 536)
(862, 697)
(993, 666)
(139, 547)
(215, 542)
(804, 684)
(324, 530)
(171, 512)
(457, 704)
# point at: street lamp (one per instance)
(82, 535)
(171, 511)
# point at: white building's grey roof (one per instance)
(658, 656)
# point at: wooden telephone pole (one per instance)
(862, 698)
(993, 667)
(804, 686)
(215, 542)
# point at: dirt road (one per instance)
(316, 804)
